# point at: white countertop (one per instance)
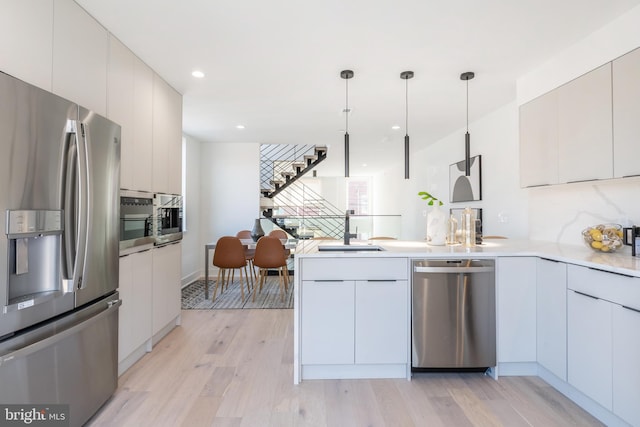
(620, 262)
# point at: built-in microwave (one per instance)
(136, 219)
(168, 218)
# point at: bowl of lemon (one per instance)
(603, 237)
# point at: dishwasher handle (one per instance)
(417, 269)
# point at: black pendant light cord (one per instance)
(346, 74)
(406, 75)
(406, 103)
(467, 137)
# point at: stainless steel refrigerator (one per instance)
(59, 180)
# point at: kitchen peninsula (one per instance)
(563, 312)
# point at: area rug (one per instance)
(193, 296)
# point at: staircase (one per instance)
(300, 211)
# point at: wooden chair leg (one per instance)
(241, 285)
(286, 278)
(281, 283)
(251, 274)
(261, 278)
(215, 289)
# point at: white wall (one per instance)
(504, 204)
(611, 41)
(229, 190)
(558, 213)
(192, 249)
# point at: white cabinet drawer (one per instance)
(355, 269)
(617, 288)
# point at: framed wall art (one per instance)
(465, 188)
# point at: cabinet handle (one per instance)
(328, 280)
(631, 176)
(381, 280)
(582, 180)
(549, 259)
(537, 185)
(611, 272)
(631, 308)
(586, 295)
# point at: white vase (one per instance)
(436, 226)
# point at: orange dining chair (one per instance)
(229, 254)
(280, 234)
(270, 254)
(248, 253)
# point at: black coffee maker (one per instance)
(632, 238)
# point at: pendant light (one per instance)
(346, 75)
(406, 75)
(467, 138)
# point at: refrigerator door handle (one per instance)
(75, 206)
(39, 345)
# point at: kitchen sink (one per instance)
(351, 248)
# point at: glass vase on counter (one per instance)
(436, 226)
(468, 227)
(452, 230)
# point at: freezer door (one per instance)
(101, 138)
(72, 361)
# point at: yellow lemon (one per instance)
(597, 235)
(596, 245)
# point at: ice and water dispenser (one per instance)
(35, 240)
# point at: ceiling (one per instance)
(273, 66)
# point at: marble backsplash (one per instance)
(559, 213)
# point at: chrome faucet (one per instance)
(347, 234)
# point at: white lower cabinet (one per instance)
(381, 321)
(362, 322)
(626, 363)
(551, 316)
(166, 285)
(354, 318)
(134, 316)
(516, 317)
(589, 346)
(603, 342)
(328, 322)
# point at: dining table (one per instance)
(249, 243)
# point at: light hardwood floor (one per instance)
(235, 368)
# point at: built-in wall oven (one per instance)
(136, 220)
(168, 218)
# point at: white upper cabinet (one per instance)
(626, 114)
(585, 129)
(539, 141)
(130, 104)
(143, 125)
(120, 105)
(26, 40)
(167, 138)
(80, 51)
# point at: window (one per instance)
(358, 195)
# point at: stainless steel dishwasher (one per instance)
(453, 318)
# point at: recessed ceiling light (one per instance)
(364, 165)
(395, 127)
(239, 126)
(197, 74)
